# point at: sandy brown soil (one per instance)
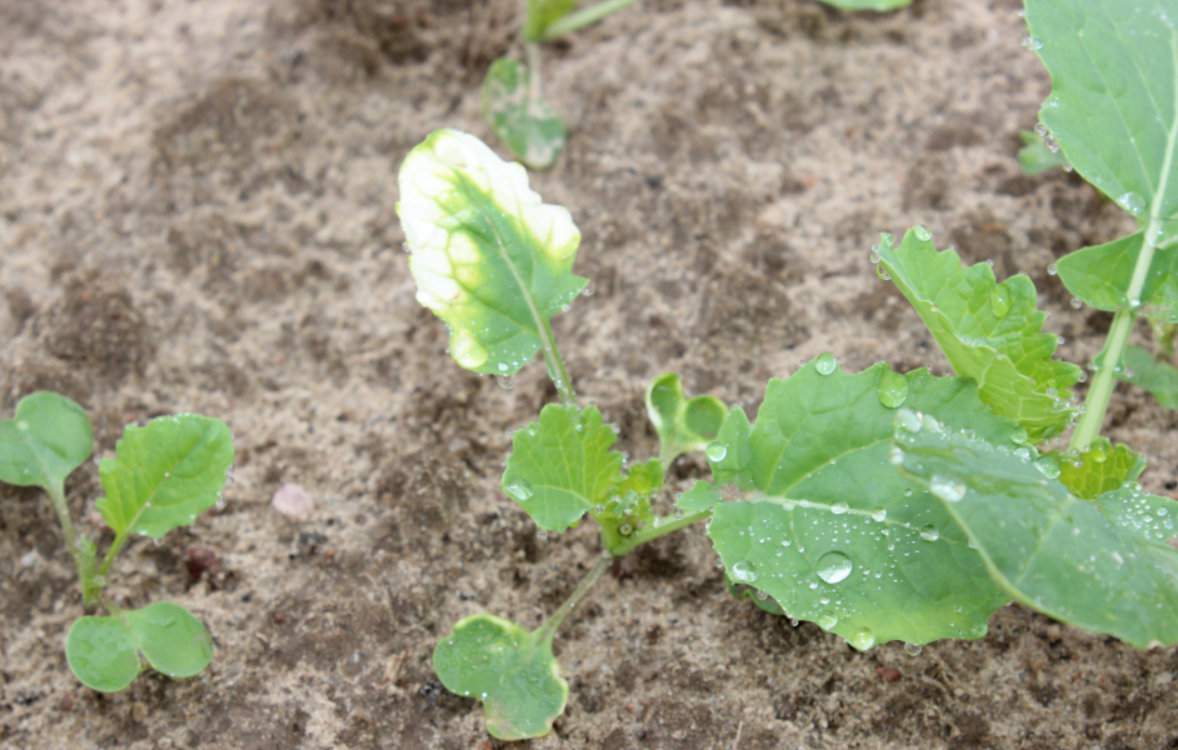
(196, 213)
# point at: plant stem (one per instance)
(535, 77)
(115, 548)
(56, 494)
(660, 528)
(547, 629)
(583, 18)
(556, 368)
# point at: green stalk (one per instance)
(584, 17)
(547, 630)
(660, 528)
(86, 582)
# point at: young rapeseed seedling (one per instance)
(882, 506)
(161, 476)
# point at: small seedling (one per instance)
(882, 506)
(162, 476)
(513, 93)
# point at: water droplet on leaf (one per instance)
(716, 452)
(520, 490)
(893, 389)
(826, 364)
(834, 567)
(949, 490)
(744, 572)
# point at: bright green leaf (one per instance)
(544, 13)
(561, 466)
(682, 424)
(1157, 377)
(489, 258)
(1099, 276)
(1102, 468)
(47, 438)
(533, 131)
(103, 652)
(1035, 157)
(989, 332)
(1104, 565)
(701, 496)
(831, 531)
(876, 5)
(1113, 107)
(164, 474)
(512, 671)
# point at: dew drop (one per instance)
(896, 456)
(1048, 467)
(1000, 303)
(949, 490)
(834, 567)
(1132, 202)
(504, 383)
(827, 622)
(1052, 269)
(1032, 43)
(930, 534)
(879, 516)
(520, 490)
(863, 639)
(912, 649)
(826, 364)
(839, 508)
(909, 420)
(1020, 437)
(893, 389)
(716, 452)
(744, 572)
(921, 233)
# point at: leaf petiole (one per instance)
(583, 18)
(56, 494)
(661, 527)
(547, 630)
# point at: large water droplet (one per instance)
(716, 452)
(949, 490)
(744, 572)
(826, 364)
(1132, 202)
(1048, 467)
(893, 389)
(863, 639)
(930, 534)
(827, 622)
(1000, 303)
(921, 233)
(520, 490)
(834, 567)
(839, 508)
(909, 420)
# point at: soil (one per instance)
(197, 214)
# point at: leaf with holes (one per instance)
(826, 525)
(1035, 157)
(48, 437)
(489, 258)
(989, 331)
(682, 424)
(164, 474)
(1105, 565)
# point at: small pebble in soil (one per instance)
(293, 501)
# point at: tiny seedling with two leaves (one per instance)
(882, 506)
(513, 96)
(161, 477)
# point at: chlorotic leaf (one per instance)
(510, 670)
(489, 258)
(1103, 565)
(561, 466)
(48, 437)
(1035, 157)
(682, 424)
(1099, 276)
(164, 474)
(989, 332)
(1157, 377)
(1101, 468)
(533, 131)
(104, 652)
(544, 13)
(876, 5)
(1113, 107)
(833, 533)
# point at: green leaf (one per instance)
(489, 258)
(1099, 276)
(544, 13)
(1113, 107)
(1035, 157)
(990, 332)
(1100, 469)
(533, 131)
(104, 651)
(164, 474)
(701, 496)
(831, 531)
(876, 5)
(47, 438)
(682, 424)
(1104, 565)
(1157, 377)
(512, 671)
(561, 466)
